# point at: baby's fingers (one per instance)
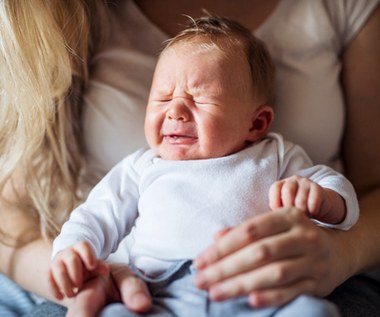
(315, 200)
(102, 269)
(275, 201)
(283, 193)
(86, 254)
(289, 191)
(53, 287)
(60, 281)
(280, 295)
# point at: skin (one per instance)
(320, 259)
(323, 258)
(193, 114)
(198, 114)
(313, 200)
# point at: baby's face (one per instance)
(201, 103)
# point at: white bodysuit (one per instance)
(172, 209)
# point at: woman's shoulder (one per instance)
(344, 18)
(348, 16)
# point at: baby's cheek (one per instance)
(153, 130)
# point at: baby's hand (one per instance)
(72, 267)
(299, 192)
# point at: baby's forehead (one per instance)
(202, 45)
(194, 49)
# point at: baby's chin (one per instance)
(181, 157)
(181, 154)
(193, 149)
(186, 155)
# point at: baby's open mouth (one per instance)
(180, 138)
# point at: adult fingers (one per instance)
(274, 276)
(275, 263)
(254, 229)
(93, 296)
(221, 233)
(296, 242)
(134, 292)
(280, 295)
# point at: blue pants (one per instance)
(358, 297)
(174, 294)
(16, 302)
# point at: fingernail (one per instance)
(216, 293)
(140, 300)
(204, 278)
(199, 263)
(200, 281)
(255, 300)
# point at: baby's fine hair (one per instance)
(230, 36)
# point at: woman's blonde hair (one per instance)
(45, 47)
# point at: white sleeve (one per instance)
(107, 215)
(328, 178)
(349, 16)
(296, 162)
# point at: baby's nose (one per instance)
(178, 111)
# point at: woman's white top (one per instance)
(173, 209)
(305, 39)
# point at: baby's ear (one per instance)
(261, 121)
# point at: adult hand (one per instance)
(120, 285)
(134, 292)
(92, 297)
(272, 258)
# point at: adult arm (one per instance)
(25, 256)
(28, 266)
(361, 79)
(28, 263)
(280, 255)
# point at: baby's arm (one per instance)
(319, 203)
(336, 205)
(72, 267)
